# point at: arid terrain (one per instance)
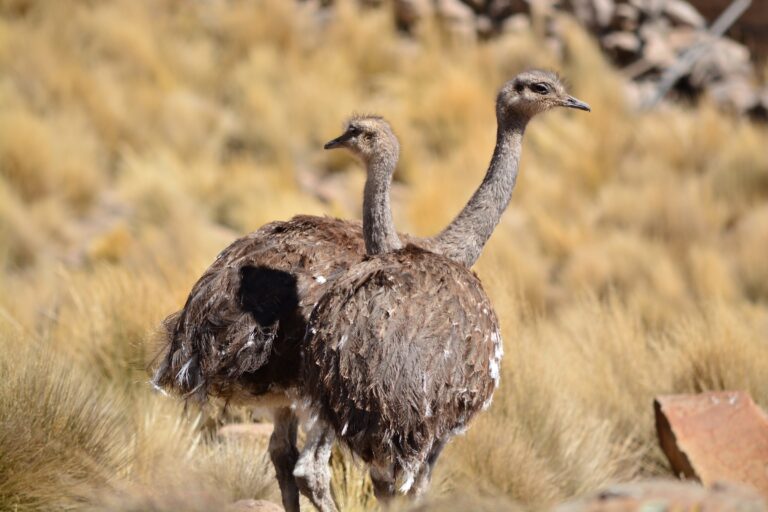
(139, 137)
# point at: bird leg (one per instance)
(424, 475)
(284, 454)
(383, 481)
(312, 472)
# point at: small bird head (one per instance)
(533, 92)
(367, 137)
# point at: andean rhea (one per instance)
(404, 348)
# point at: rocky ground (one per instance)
(645, 38)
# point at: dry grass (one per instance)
(139, 137)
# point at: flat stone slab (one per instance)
(715, 436)
(668, 496)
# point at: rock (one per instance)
(668, 495)
(603, 11)
(643, 37)
(650, 8)
(626, 17)
(596, 14)
(457, 17)
(484, 26)
(723, 58)
(736, 94)
(254, 506)
(516, 24)
(624, 42)
(683, 13)
(682, 38)
(715, 436)
(246, 430)
(656, 50)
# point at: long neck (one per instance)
(464, 238)
(378, 227)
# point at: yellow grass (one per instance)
(137, 138)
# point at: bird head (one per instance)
(367, 137)
(533, 92)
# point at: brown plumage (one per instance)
(403, 351)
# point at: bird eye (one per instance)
(540, 88)
(353, 130)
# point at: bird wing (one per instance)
(247, 312)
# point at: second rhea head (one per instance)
(367, 136)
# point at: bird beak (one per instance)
(572, 102)
(337, 142)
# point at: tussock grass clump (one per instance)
(139, 138)
(60, 439)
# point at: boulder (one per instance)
(682, 38)
(681, 12)
(457, 18)
(596, 14)
(516, 24)
(656, 48)
(626, 18)
(735, 93)
(623, 42)
(723, 58)
(715, 436)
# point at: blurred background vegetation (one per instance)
(138, 137)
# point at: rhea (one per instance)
(404, 349)
(238, 336)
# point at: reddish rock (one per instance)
(715, 436)
(668, 495)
